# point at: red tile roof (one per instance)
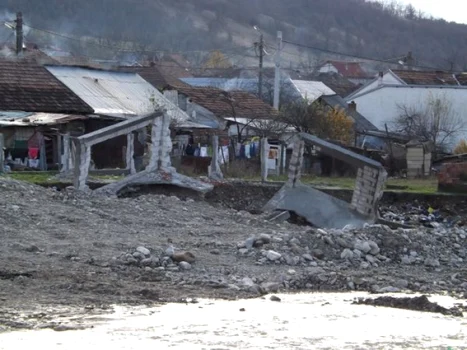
(27, 86)
(349, 69)
(412, 77)
(217, 101)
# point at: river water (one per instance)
(299, 321)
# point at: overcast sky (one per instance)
(450, 10)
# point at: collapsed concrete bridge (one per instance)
(324, 210)
(159, 170)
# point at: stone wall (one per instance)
(452, 177)
(369, 188)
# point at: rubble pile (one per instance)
(74, 248)
(327, 253)
(422, 215)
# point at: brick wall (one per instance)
(452, 177)
(369, 188)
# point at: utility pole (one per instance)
(277, 76)
(19, 33)
(261, 55)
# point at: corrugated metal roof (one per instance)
(36, 119)
(115, 93)
(250, 85)
(312, 90)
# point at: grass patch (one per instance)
(397, 185)
(35, 177)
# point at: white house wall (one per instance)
(388, 79)
(381, 105)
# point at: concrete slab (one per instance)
(318, 208)
(160, 177)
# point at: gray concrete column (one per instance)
(296, 162)
(130, 150)
(215, 172)
(161, 144)
(66, 154)
(264, 159)
(369, 188)
(81, 166)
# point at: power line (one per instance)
(114, 47)
(352, 55)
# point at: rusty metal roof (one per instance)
(224, 104)
(412, 77)
(27, 86)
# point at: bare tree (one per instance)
(435, 121)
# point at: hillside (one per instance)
(354, 26)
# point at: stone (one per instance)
(265, 238)
(184, 256)
(273, 256)
(362, 246)
(347, 254)
(307, 257)
(406, 260)
(275, 298)
(328, 240)
(402, 284)
(389, 289)
(250, 242)
(147, 262)
(170, 251)
(291, 272)
(270, 287)
(138, 256)
(143, 251)
(215, 252)
(431, 262)
(357, 253)
(371, 259)
(321, 232)
(184, 265)
(318, 253)
(248, 282)
(375, 250)
(292, 260)
(243, 251)
(344, 243)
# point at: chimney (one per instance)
(380, 78)
(19, 33)
(352, 106)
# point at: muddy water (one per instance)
(301, 321)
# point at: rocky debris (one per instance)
(275, 298)
(97, 247)
(420, 303)
(143, 251)
(272, 255)
(183, 257)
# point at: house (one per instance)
(114, 96)
(381, 101)
(352, 71)
(36, 110)
(361, 124)
(308, 90)
(218, 108)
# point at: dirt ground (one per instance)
(62, 251)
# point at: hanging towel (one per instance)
(247, 151)
(33, 153)
(203, 152)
